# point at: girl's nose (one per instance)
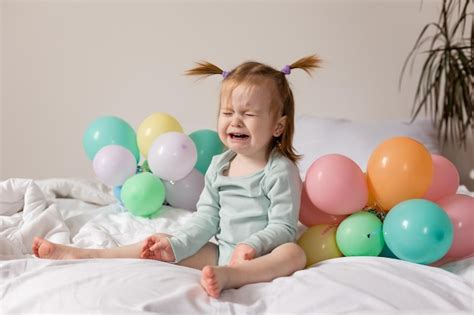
(236, 122)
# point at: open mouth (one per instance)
(238, 136)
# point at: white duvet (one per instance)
(85, 214)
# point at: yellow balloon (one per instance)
(152, 127)
(319, 243)
(399, 169)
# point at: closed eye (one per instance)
(226, 113)
(250, 114)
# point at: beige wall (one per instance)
(67, 62)
(1, 88)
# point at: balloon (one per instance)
(360, 234)
(310, 215)
(152, 127)
(114, 164)
(117, 193)
(207, 144)
(386, 252)
(336, 185)
(319, 243)
(443, 261)
(399, 169)
(185, 192)
(143, 194)
(109, 130)
(371, 203)
(460, 209)
(418, 230)
(172, 156)
(445, 179)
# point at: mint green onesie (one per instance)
(260, 210)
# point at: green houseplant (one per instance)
(445, 85)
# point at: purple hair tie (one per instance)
(225, 74)
(286, 69)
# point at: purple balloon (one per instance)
(185, 193)
(114, 164)
(172, 156)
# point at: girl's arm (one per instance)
(202, 225)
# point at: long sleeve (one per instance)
(283, 189)
(202, 225)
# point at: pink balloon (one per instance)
(310, 215)
(336, 185)
(445, 179)
(446, 260)
(460, 209)
(114, 164)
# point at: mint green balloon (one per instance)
(418, 230)
(207, 144)
(143, 194)
(107, 130)
(360, 234)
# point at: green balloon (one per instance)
(207, 144)
(143, 194)
(360, 234)
(109, 130)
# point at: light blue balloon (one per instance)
(117, 193)
(109, 130)
(418, 230)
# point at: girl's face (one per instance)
(246, 123)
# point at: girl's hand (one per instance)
(158, 247)
(242, 253)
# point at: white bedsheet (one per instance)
(86, 215)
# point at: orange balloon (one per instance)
(399, 169)
(319, 243)
(371, 203)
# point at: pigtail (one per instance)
(307, 64)
(205, 69)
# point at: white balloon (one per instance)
(185, 193)
(172, 156)
(114, 164)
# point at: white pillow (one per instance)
(315, 137)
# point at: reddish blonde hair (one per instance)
(256, 73)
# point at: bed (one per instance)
(85, 213)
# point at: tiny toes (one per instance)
(211, 282)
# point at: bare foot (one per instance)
(214, 279)
(45, 249)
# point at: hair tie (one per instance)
(286, 70)
(225, 74)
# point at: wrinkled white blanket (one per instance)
(28, 209)
(85, 214)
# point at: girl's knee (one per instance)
(295, 253)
